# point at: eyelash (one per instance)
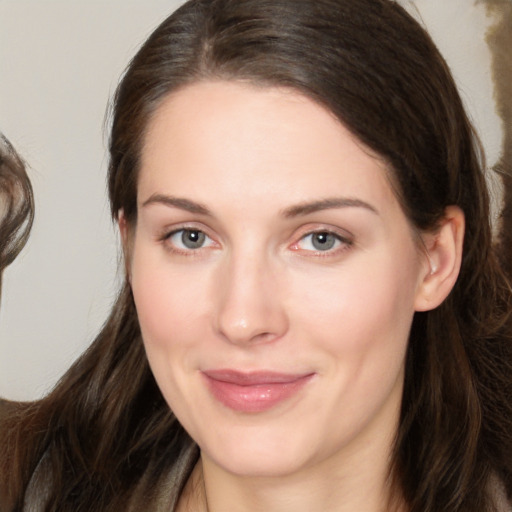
(342, 243)
(167, 237)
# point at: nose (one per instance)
(249, 307)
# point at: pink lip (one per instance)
(253, 391)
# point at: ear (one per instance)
(124, 232)
(123, 227)
(442, 260)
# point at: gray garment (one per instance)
(167, 498)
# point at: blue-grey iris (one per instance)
(323, 241)
(192, 239)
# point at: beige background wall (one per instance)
(59, 63)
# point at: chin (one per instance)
(260, 464)
(259, 451)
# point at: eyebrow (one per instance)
(178, 202)
(327, 204)
(292, 211)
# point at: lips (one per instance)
(253, 391)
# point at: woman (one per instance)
(314, 317)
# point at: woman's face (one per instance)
(275, 278)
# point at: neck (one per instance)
(362, 484)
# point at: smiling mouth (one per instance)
(253, 391)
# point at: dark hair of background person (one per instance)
(105, 440)
(16, 205)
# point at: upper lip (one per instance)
(255, 377)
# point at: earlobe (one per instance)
(121, 223)
(443, 259)
(124, 234)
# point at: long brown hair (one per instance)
(105, 440)
(16, 204)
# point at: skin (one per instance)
(259, 295)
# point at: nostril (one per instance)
(261, 327)
(248, 307)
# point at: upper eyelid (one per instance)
(169, 230)
(334, 233)
(324, 228)
(342, 239)
(174, 232)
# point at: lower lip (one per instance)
(255, 397)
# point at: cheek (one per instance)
(362, 320)
(364, 310)
(159, 305)
(165, 296)
(168, 312)
(169, 303)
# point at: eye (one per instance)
(321, 241)
(189, 239)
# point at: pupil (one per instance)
(192, 239)
(323, 241)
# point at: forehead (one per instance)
(239, 139)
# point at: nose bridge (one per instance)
(249, 306)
